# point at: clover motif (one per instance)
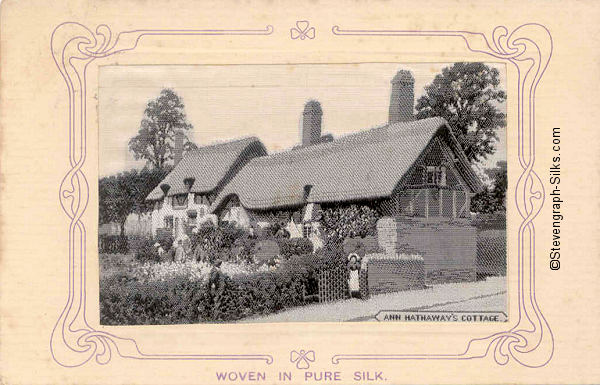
(302, 30)
(303, 358)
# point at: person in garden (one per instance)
(159, 250)
(179, 251)
(354, 261)
(187, 248)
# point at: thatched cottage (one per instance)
(410, 169)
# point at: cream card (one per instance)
(300, 193)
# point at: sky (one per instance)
(224, 102)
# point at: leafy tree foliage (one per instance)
(492, 200)
(125, 193)
(156, 137)
(467, 95)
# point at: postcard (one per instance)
(284, 193)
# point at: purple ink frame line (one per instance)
(74, 342)
(529, 341)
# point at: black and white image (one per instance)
(310, 192)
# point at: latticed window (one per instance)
(210, 198)
(169, 222)
(180, 200)
(306, 230)
(201, 199)
(436, 175)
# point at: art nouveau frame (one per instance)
(74, 342)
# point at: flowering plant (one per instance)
(191, 270)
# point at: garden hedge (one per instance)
(113, 244)
(220, 298)
(126, 301)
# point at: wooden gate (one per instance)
(333, 284)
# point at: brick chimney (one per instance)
(402, 100)
(311, 123)
(178, 150)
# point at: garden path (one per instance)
(486, 295)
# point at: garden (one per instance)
(227, 273)
(222, 274)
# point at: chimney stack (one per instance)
(402, 100)
(311, 123)
(178, 150)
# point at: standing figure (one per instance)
(179, 251)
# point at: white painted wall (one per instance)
(181, 213)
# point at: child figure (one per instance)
(160, 251)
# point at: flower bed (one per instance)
(228, 274)
(192, 292)
(191, 270)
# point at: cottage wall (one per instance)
(179, 213)
(448, 248)
(415, 197)
(252, 149)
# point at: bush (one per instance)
(266, 251)
(126, 302)
(231, 292)
(234, 298)
(194, 297)
(294, 246)
(113, 244)
(354, 220)
(180, 300)
(361, 246)
(143, 249)
(309, 265)
(165, 239)
(216, 243)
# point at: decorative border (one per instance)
(530, 341)
(73, 341)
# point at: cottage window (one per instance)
(180, 200)
(306, 230)
(210, 198)
(201, 199)
(169, 222)
(436, 175)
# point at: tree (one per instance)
(163, 116)
(492, 200)
(467, 95)
(125, 193)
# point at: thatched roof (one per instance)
(209, 166)
(365, 165)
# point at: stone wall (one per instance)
(385, 274)
(449, 248)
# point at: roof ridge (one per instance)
(340, 141)
(217, 144)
